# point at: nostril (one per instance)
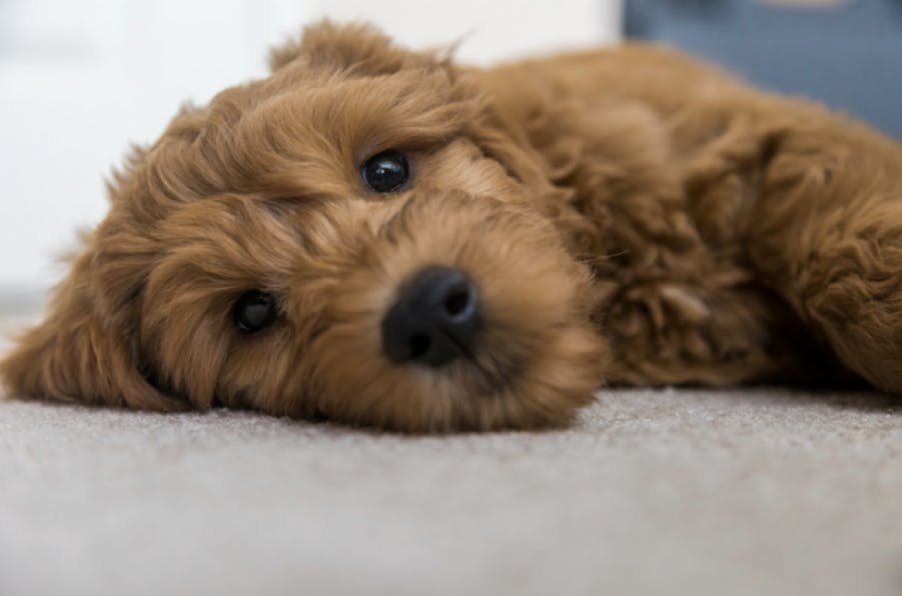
(457, 302)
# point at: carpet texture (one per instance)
(651, 492)
(762, 491)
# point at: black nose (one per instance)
(435, 320)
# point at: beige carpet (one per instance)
(652, 492)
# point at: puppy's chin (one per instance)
(536, 359)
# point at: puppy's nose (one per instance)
(435, 320)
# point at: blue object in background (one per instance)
(844, 53)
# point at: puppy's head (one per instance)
(355, 236)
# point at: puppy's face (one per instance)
(348, 238)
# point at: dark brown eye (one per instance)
(255, 310)
(386, 171)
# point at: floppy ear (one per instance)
(85, 348)
(363, 47)
(542, 156)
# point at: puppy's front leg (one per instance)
(826, 232)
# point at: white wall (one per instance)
(81, 80)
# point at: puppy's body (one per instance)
(623, 216)
(720, 221)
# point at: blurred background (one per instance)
(80, 81)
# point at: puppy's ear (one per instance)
(85, 349)
(330, 46)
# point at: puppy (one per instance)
(383, 237)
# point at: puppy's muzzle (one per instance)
(435, 320)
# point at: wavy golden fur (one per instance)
(629, 216)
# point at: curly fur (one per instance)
(630, 216)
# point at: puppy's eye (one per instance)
(386, 171)
(254, 311)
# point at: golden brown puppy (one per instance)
(382, 237)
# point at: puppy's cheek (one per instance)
(562, 377)
(272, 378)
